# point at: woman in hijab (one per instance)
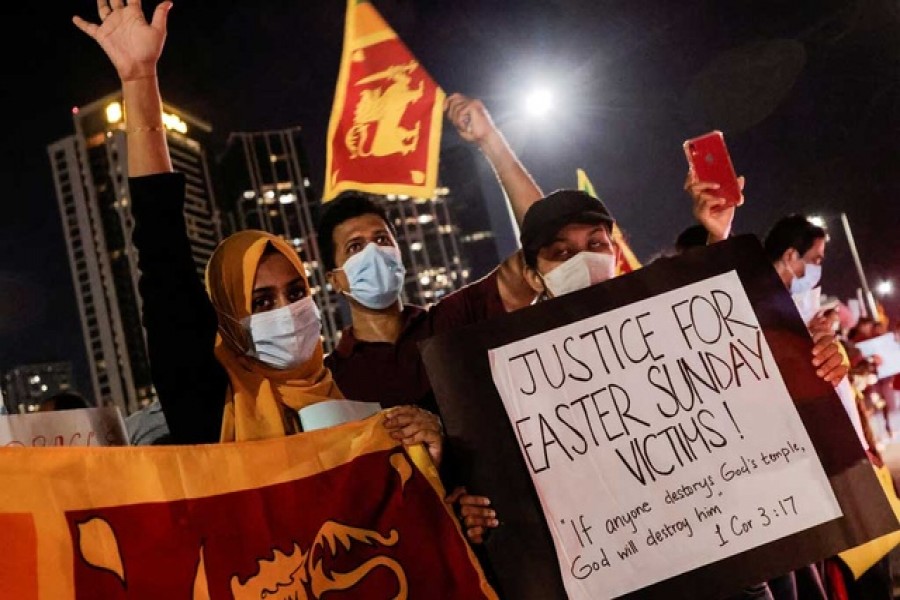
(269, 336)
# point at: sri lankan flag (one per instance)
(335, 514)
(628, 262)
(384, 135)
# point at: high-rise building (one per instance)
(90, 170)
(26, 386)
(265, 185)
(429, 243)
(459, 171)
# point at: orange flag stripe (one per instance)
(41, 485)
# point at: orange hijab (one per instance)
(261, 401)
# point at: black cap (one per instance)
(546, 217)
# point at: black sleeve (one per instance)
(178, 317)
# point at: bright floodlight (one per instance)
(885, 287)
(817, 221)
(539, 102)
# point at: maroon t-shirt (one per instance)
(393, 374)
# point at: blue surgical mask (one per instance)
(286, 337)
(375, 275)
(811, 276)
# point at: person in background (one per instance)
(863, 330)
(63, 401)
(796, 248)
(148, 427)
(884, 387)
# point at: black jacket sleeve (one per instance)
(177, 315)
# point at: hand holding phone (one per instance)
(710, 162)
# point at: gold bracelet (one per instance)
(159, 127)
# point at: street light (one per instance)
(868, 298)
(885, 287)
(538, 102)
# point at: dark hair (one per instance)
(66, 401)
(793, 231)
(347, 205)
(694, 236)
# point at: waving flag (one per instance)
(337, 513)
(628, 262)
(384, 135)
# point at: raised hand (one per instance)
(470, 118)
(133, 45)
(709, 209)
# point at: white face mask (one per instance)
(286, 337)
(811, 276)
(375, 275)
(582, 270)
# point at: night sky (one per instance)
(807, 94)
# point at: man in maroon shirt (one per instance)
(377, 358)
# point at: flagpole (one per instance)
(867, 293)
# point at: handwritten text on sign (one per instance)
(79, 427)
(660, 437)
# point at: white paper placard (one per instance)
(887, 347)
(77, 427)
(330, 413)
(660, 437)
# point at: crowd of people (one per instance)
(236, 359)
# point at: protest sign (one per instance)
(677, 400)
(885, 347)
(664, 435)
(101, 426)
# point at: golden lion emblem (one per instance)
(381, 110)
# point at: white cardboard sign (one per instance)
(660, 437)
(78, 427)
(888, 348)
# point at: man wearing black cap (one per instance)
(567, 243)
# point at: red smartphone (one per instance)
(708, 157)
